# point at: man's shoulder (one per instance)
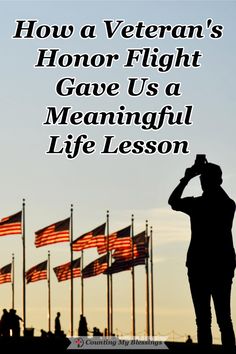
(229, 200)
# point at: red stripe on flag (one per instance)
(5, 274)
(118, 266)
(122, 265)
(95, 268)
(11, 225)
(58, 232)
(138, 249)
(81, 243)
(36, 276)
(94, 238)
(108, 244)
(63, 272)
(38, 272)
(6, 278)
(119, 239)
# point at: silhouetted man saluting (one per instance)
(211, 255)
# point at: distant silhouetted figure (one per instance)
(189, 340)
(5, 324)
(211, 255)
(14, 321)
(96, 332)
(58, 324)
(50, 334)
(43, 334)
(83, 328)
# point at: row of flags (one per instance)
(60, 232)
(118, 251)
(127, 251)
(63, 272)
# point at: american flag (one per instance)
(118, 239)
(5, 274)
(122, 265)
(38, 272)
(11, 225)
(96, 267)
(94, 238)
(140, 260)
(63, 272)
(136, 249)
(118, 266)
(58, 232)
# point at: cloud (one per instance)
(168, 226)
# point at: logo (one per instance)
(79, 342)
(101, 343)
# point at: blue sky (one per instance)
(122, 184)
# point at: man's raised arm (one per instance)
(176, 195)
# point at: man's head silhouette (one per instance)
(211, 177)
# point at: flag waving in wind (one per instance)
(137, 248)
(11, 225)
(94, 238)
(118, 266)
(118, 239)
(58, 232)
(5, 274)
(122, 265)
(38, 272)
(63, 272)
(96, 267)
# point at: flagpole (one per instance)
(82, 281)
(147, 287)
(133, 278)
(71, 273)
(108, 279)
(13, 280)
(49, 292)
(23, 266)
(152, 284)
(111, 304)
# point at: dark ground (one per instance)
(40, 345)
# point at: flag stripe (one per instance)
(11, 225)
(96, 267)
(63, 272)
(58, 232)
(5, 274)
(94, 238)
(120, 266)
(41, 275)
(119, 239)
(128, 253)
(5, 278)
(38, 272)
(140, 248)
